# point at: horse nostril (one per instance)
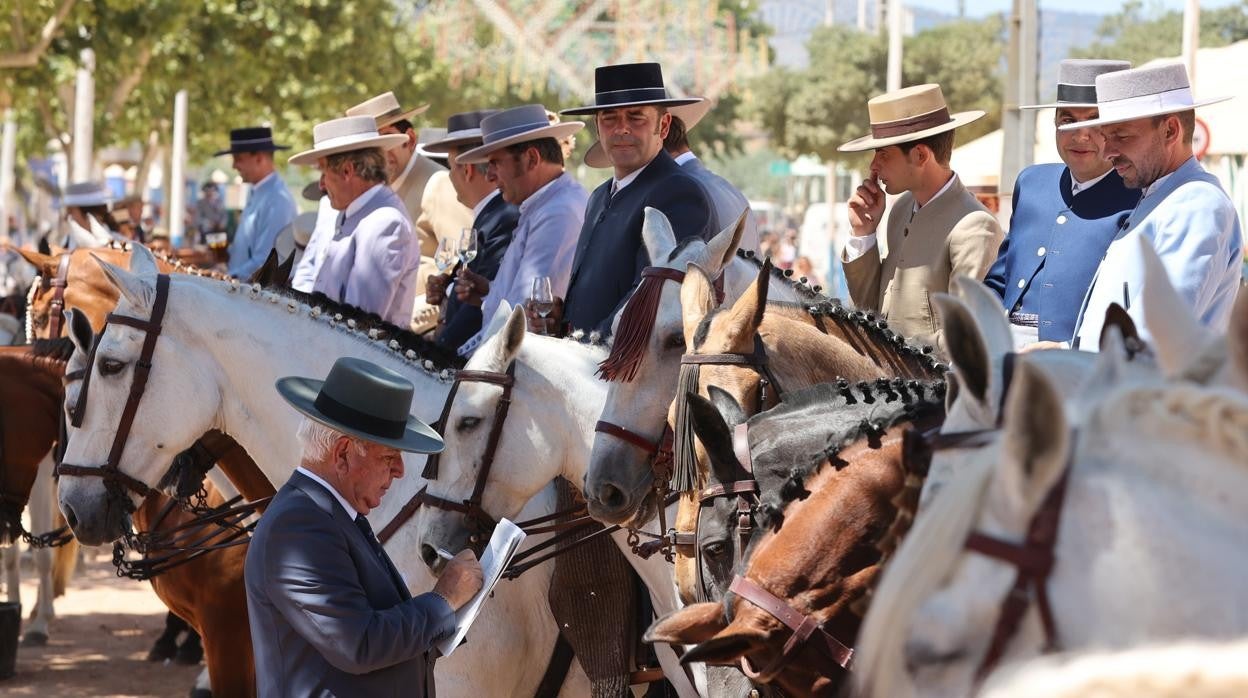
(428, 554)
(611, 496)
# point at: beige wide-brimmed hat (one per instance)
(344, 135)
(689, 115)
(1127, 95)
(516, 125)
(385, 109)
(908, 114)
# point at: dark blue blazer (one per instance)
(1055, 243)
(610, 253)
(495, 224)
(328, 616)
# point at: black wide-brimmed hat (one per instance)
(253, 139)
(629, 85)
(363, 400)
(462, 129)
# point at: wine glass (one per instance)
(541, 299)
(445, 255)
(468, 245)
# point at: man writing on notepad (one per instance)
(330, 614)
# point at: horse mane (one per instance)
(54, 349)
(1218, 419)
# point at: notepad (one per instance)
(503, 546)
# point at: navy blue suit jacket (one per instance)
(495, 224)
(1055, 243)
(610, 253)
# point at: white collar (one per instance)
(485, 201)
(528, 203)
(685, 157)
(1155, 185)
(332, 490)
(952, 179)
(355, 206)
(628, 178)
(398, 181)
(1076, 186)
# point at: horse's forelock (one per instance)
(632, 335)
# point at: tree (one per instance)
(1141, 33)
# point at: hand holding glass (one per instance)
(541, 299)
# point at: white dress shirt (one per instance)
(332, 490)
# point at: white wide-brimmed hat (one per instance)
(516, 125)
(1127, 95)
(907, 115)
(385, 109)
(463, 128)
(427, 135)
(1076, 82)
(344, 135)
(689, 115)
(84, 194)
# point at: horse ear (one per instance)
(1116, 317)
(727, 647)
(723, 246)
(751, 307)
(143, 263)
(1036, 438)
(729, 409)
(1172, 329)
(45, 264)
(1107, 370)
(282, 278)
(716, 438)
(264, 275)
(967, 349)
(990, 318)
(656, 232)
(80, 332)
(132, 286)
(697, 298)
(506, 344)
(501, 315)
(689, 625)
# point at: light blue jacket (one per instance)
(1193, 227)
(304, 276)
(269, 209)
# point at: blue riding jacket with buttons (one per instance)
(1055, 243)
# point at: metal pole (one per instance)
(1019, 128)
(894, 45)
(862, 15)
(1191, 38)
(177, 174)
(829, 13)
(84, 119)
(8, 158)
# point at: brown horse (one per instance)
(835, 484)
(801, 346)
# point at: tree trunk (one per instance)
(150, 153)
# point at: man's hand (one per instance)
(548, 325)
(435, 288)
(460, 580)
(866, 208)
(1043, 346)
(470, 287)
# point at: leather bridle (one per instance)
(805, 627)
(116, 481)
(56, 306)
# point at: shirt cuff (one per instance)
(856, 246)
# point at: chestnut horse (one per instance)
(835, 488)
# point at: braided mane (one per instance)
(54, 349)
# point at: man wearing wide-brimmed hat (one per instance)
(421, 184)
(330, 614)
(269, 207)
(936, 230)
(89, 222)
(727, 201)
(520, 147)
(1147, 116)
(631, 116)
(494, 219)
(1064, 216)
(372, 257)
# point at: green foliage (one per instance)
(1141, 33)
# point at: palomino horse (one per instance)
(1119, 495)
(554, 399)
(829, 463)
(227, 343)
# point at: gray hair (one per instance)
(369, 163)
(318, 440)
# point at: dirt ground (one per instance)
(103, 628)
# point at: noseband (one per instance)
(115, 480)
(804, 627)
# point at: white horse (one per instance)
(547, 434)
(221, 348)
(612, 489)
(1157, 489)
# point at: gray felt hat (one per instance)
(1127, 95)
(1076, 82)
(516, 125)
(363, 400)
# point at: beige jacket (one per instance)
(952, 235)
(436, 213)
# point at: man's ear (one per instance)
(665, 124)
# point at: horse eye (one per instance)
(110, 367)
(675, 341)
(714, 549)
(467, 423)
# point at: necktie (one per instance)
(361, 522)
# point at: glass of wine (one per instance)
(468, 245)
(541, 299)
(444, 256)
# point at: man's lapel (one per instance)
(595, 210)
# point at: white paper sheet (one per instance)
(497, 555)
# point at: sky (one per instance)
(979, 8)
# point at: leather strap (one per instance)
(627, 435)
(804, 627)
(56, 307)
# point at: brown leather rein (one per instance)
(56, 306)
(804, 628)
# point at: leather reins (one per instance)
(804, 628)
(56, 306)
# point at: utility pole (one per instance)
(1019, 127)
(1191, 38)
(829, 12)
(894, 45)
(177, 172)
(8, 160)
(862, 15)
(84, 119)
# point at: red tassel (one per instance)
(633, 333)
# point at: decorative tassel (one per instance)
(633, 333)
(685, 476)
